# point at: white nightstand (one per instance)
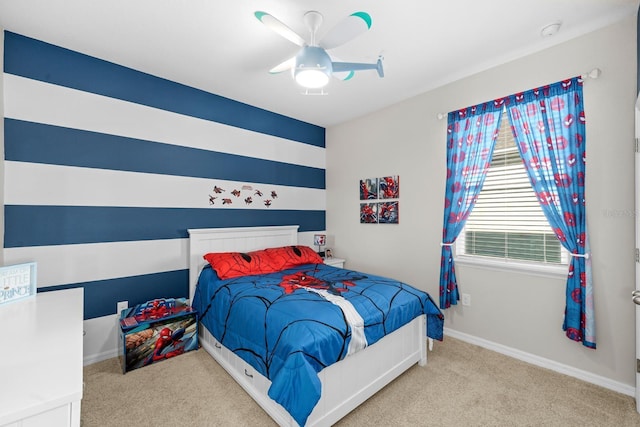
(335, 262)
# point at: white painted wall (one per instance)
(517, 311)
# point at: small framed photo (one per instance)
(17, 282)
(327, 253)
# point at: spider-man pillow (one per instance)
(235, 264)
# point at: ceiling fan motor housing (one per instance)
(313, 67)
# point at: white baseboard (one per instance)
(99, 357)
(545, 363)
(100, 339)
(101, 343)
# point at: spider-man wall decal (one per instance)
(249, 193)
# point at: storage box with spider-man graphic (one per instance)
(156, 330)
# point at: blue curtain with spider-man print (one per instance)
(548, 124)
(471, 136)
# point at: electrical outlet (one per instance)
(122, 305)
(466, 299)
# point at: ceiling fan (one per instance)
(312, 66)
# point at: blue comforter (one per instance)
(291, 324)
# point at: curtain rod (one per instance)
(593, 74)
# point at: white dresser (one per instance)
(41, 360)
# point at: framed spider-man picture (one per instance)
(369, 189)
(389, 212)
(389, 187)
(368, 213)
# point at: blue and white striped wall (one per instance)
(107, 167)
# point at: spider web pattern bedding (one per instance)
(291, 324)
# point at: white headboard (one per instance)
(240, 239)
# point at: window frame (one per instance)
(555, 271)
(544, 269)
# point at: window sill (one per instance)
(550, 271)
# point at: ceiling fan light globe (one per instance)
(312, 78)
(313, 67)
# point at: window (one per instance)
(507, 224)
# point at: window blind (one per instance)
(507, 221)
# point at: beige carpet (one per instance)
(462, 385)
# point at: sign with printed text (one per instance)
(17, 282)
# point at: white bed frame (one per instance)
(345, 384)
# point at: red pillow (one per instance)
(235, 264)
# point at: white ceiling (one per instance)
(219, 46)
